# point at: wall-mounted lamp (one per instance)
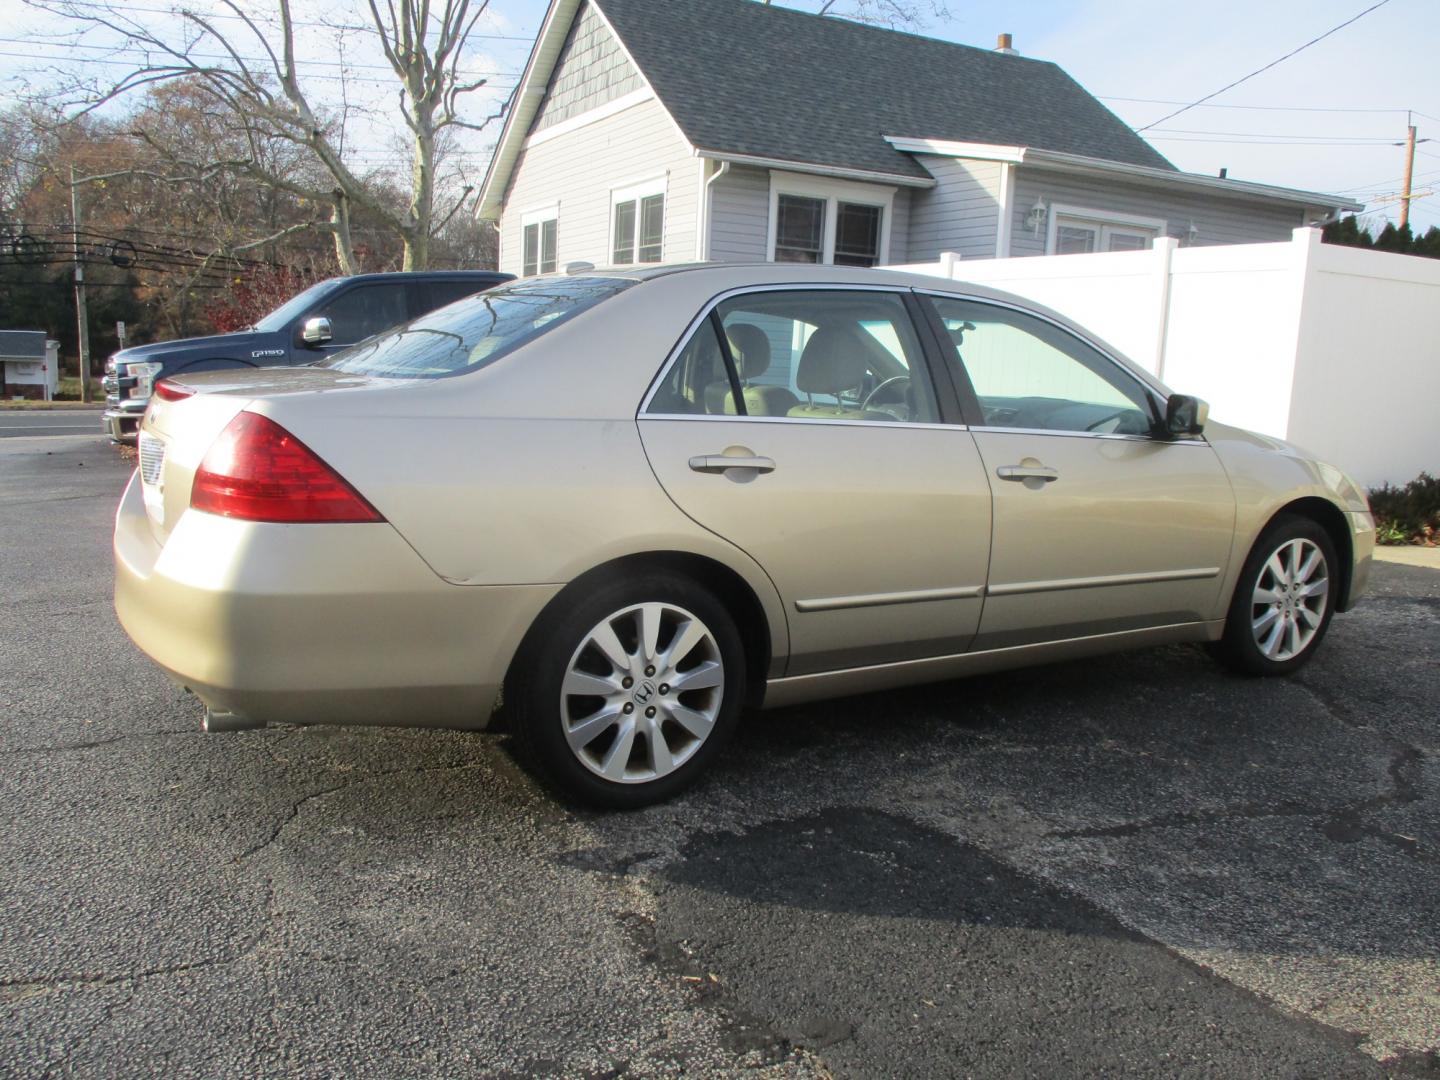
(1036, 218)
(1193, 233)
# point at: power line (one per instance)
(1274, 142)
(114, 50)
(370, 79)
(1267, 67)
(1387, 139)
(1260, 108)
(1382, 187)
(370, 28)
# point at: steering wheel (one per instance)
(1116, 415)
(885, 384)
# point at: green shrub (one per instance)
(1409, 514)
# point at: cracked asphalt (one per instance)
(1133, 866)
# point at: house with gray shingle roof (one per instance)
(29, 365)
(665, 131)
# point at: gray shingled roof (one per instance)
(22, 344)
(749, 79)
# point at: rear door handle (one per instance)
(718, 463)
(1043, 473)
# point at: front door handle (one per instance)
(719, 463)
(1021, 473)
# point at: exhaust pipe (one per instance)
(227, 721)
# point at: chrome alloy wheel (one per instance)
(1288, 606)
(642, 692)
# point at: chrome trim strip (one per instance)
(742, 290)
(917, 596)
(1091, 435)
(1062, 584)
(882, 425)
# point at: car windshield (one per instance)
(296, 305)
(474, 332)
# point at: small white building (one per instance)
(29, 365)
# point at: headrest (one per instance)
(751, 348)
(833, 361)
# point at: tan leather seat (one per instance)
(832, 363)
(750, 346)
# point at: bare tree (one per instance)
(897, 14)
(265, 99)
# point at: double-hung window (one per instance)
(637, 217)
(539, 232)
(814, 220)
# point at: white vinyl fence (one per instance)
(1334, 348)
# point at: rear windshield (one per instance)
(476, 331)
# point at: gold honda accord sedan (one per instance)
(637, 502)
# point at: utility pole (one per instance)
(81, 314)
(1409, 172)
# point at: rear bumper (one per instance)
(314, 624)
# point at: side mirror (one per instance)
(316, 331)
(1185, 415)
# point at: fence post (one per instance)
(948, 259)
(1164, 268)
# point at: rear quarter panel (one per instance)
(529, 471)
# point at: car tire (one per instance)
(1283, 600)
(626, 692)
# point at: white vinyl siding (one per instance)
(1217, 220)
(961, 213)
(740, 215)
(579, 170)
(592, 71)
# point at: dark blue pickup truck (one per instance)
(319, 321)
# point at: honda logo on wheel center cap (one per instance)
(644, 692)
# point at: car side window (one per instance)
(828, 354)
(1029, 373)
(697, 383)
(364, 311)
(437, 294)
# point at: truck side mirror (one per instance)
(1185, 415)
(316, 331)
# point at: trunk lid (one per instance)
(176, 435)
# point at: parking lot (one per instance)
(1134, 866)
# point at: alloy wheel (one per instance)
(1287, 607)
(642, 692)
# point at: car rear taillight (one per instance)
(258, 471)
(165, 390)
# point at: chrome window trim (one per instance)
(883, 425)
(1189, 441)
(746, 290)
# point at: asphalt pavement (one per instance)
(1133, 866)
(26, 423)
